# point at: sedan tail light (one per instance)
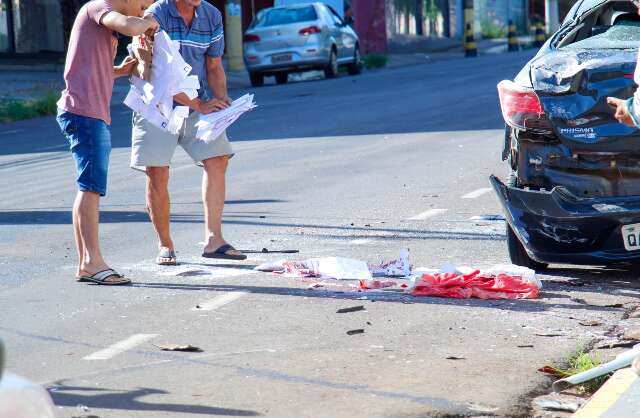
(309, 30)
(521, 107)
(249, 37)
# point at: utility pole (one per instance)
(419, 15)
(552, 16)
(233, 34)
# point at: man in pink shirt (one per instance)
(84, 117)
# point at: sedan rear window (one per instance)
(284, 16)
(624, 34)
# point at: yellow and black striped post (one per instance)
(539, 35)
(512, 39)
(470, 49)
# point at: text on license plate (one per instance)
(631, 237)
(281, 58)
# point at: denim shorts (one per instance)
(90, 144)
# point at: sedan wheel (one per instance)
(282, 78)
(331, 70)
(257, 79)
(518, 254)
(355, 67)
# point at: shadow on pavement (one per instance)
(523, 305)
(128, 401)
(43, 217)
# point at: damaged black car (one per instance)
(573, 192)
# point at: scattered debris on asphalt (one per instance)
(632, 334)
(400, 267)
(268, 251)
(340, 268)
(355, 331)
(487, 218)
(551, 405)
(590, 323)
(550, 334)
(175, 347)
(615, 343)
(351, 309)
(327, 267)
(553, 371)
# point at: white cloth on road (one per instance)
(153, 99)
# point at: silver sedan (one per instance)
(283, 40)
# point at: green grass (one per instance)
(13, 109)
(373, 61)
(579, 363)
(491, 30)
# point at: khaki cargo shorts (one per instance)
(153, 147)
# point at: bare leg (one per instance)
(86, 213)
(213, 195)
(159, 207)
(78, 236)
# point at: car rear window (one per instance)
(624, 34)
(284, 16)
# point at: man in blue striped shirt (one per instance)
(197, 26)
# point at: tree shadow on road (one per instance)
(129, 401)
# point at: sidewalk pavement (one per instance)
(619, 397)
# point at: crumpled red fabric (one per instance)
(475, 285)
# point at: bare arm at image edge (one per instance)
(128, 25)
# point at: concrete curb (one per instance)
(619, 397)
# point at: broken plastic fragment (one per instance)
(175, 347)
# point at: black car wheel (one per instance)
(355, 67)
(518, 254)
(282, 78)
(257, 79)
(331, 70)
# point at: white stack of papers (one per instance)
(153, 99)
(211, 126)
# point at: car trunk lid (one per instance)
(573, 86)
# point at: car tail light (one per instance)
(309, 31)
(521, 107)
(249, 37)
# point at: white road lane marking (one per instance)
(219, 301)
(427, 214)
(120, 347)
(477, 193)
(361, 241)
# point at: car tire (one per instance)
(331, 70)
(355, 67)
(518, 254)
(282, 78)
(257, 79)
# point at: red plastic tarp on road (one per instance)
(475, 285)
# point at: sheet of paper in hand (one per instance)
(153, 98)
(211, 126)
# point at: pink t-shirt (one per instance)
(88, 72)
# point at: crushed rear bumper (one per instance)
(559, 227)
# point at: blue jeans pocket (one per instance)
(69, 126)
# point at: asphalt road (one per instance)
(329, 167)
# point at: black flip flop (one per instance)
(223, 253)
(102, 276)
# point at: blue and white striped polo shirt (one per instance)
(204, 38)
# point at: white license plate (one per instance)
(281, 58)
(631, 237)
